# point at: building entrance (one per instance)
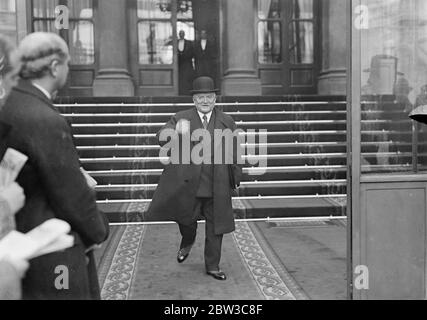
(171, 43)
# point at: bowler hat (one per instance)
(203, 85)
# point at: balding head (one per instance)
(38, 51)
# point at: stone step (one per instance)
(244, 207)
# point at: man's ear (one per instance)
(54, 68)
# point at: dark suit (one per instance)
(187, 191)
(205, 59)
(54, 188)
(185, 68)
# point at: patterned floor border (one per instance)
(271, 277)
(118, 281)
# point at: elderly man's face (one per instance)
(205, 102)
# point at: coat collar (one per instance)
(220, 123)
(25, 86)
(196, 123)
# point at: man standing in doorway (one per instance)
(185, 64)
(205, 56)
(187, 191)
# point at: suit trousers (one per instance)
(213, 242)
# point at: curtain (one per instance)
(264, 8)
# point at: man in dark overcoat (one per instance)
(189, 189)
(185, 64)
(205, 56)
(53, 183)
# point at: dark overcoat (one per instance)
(205, 60)
(185, 68)
(54, 188)
(175, 196)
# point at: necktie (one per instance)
(205, 122)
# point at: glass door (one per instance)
(288, 41)
(154, 27)
(388, 149)
(80, 37)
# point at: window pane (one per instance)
(269, 42)
(44, 8)
(45, 26)
(188, 28)
(421, 129)
(155, 42)
(302, 9)
(8, 19)
(301, 39)
(81, 9)
(155, 9)
(393, 83)
(268, 9)
(8, 5)
(185, 9)
(82, 47)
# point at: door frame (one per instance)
(136, 68)
(274, 86)
(68, 89)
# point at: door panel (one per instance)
(288, 45)
(152, 33)
(81, 38)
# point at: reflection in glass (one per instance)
(8, 19)
(45, 26)
(185, 10)
(269, 9)
(82, 45)
(302, 9)
(301, 47)
(81, 9)
(394, 82)
(155, 9)
(269, 42)
(44, 8)
(155, 42)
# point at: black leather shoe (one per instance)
(183, 254)
(218, 275)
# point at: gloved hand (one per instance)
(14, 197)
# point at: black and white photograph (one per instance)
(207, 151)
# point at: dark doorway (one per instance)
(154, 38)
(206, 19)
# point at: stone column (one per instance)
(332, 79)
(113, 77)
(240, 76)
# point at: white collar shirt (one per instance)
(201, 115)
(43, 90)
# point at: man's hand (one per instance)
(14, 196)
(183, 126)
(20, 266)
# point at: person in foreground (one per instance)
(52, 180)
(12, 197)
(187, 191)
